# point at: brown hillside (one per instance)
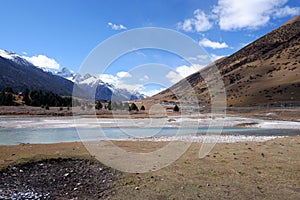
(265, 72)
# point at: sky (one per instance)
(63, 33)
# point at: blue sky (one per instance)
(62, 33)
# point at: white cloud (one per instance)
(198, 58)
(24, 53)
(237, 14)
(152, 92)
(124, 75)
(200, 22)
(109, 78)
(287, 11)
(43, 61)
(173, 77)
(119, 82)
(215, 57)
(116, 26)
(182, 72)
(214, 45)
(130, 87)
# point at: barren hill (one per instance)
(265, 72)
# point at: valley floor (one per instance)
(252, 170)
(255, 112)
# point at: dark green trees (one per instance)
(26, 98)
(98, 105)
(39, 98)
(143, 108)
(7, 97)
(176, 108)
(134, 107)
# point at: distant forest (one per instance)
(38, 98)
(8, 97)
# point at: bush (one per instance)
(134, 107)
(143, 108)
(98, 105)
(176, 108)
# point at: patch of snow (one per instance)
(212, 138)
(276, 124)
(7, 54)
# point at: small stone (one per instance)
(66, 174)
(137, 188)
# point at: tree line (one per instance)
(7, 97)
(50, 99)
(118, 106)
(40, 98)
(33, 98)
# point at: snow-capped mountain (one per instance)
(33, 77)
(19, 74)
(14, 57)
(101, 90)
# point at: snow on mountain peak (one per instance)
(14, 57)
(8, 55)
(86, 81)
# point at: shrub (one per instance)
(134, 107)
(176, 108)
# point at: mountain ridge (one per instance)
(265, 72)
(19, 74)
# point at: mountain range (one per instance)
(265, 72)
(18, 73)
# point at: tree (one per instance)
(134, 107)
(109, 105)
(9, 90)
(143, 107)
(98, 105)
(7, 98)
(26, 98)
(176, 108)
